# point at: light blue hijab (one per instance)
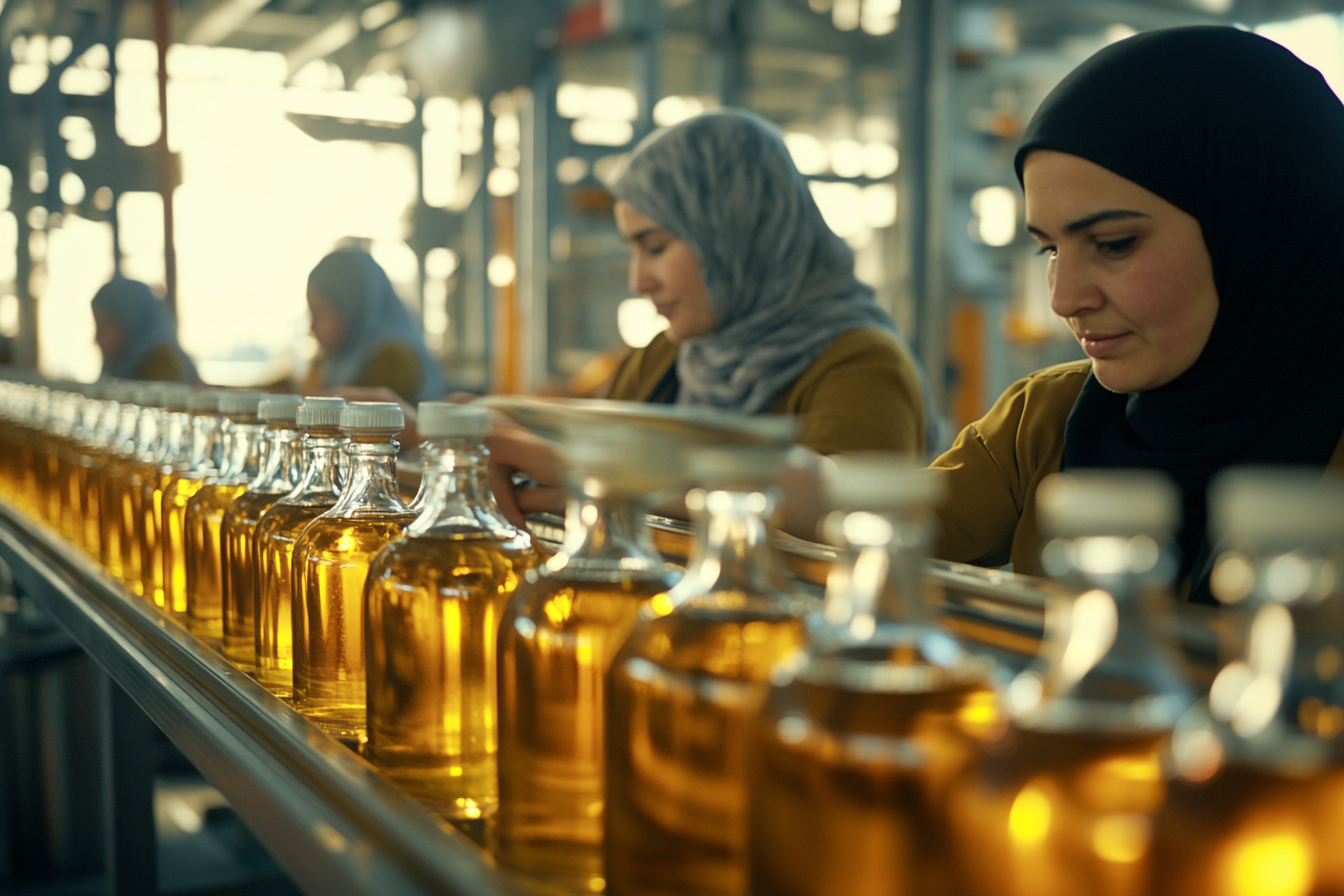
(145, 325)
(358, 288)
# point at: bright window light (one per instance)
(9, 244)
(501, 271)
(6, 187)
(638, 321)
(79, 260)
(847, 158)
(26, 78)
(1317, 40)
(502, 182)
(137, 105)
(996, 208)
(845, 14)
(9, 315)
(571, 170)
(508, 132)
(880, 160)
(72, 188)
(598, 132)
(80, 141)
(575, 100)
(442, 164)
(672, 110)
(879, 205)
(379, 14)
(841, 206)
(809, 153)
(137, 57)
(440, 113)
(440, 263)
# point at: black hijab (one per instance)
(1238, 133)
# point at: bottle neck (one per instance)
(244, 453)
(128, 424)
(172, 445)
(605, 530)
(732, 551)
(205, 434)
(880, 575)
(320, 462)
(371, 479)
(457, 497)
(279, 470)
(149, 433)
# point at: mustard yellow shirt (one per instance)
(996, 464)
(862, 394)
(394, 366)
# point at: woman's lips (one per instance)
(1102, 346)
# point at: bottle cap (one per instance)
(881, 482)
(279, 408)
(176, 396)
(625, 457)
(740, 467)
(444, 420)
(240, 404)
(321, 411)
(205, 400)
(1277, 507)
(1108, 502)
(372, 416)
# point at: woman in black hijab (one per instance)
(1188, 186)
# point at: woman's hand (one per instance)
(515, 450)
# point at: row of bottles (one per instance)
(607, 722)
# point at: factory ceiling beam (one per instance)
(220, 20)
(326, 41)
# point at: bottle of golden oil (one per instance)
(112, 477)
(64, 420)
(238, 531)
(1257, 805)
(318, 488)
(137, 469)
(205, 514)
(205, 449)
(79, 460)
(687, 687)
(100, 454)
(171, 450)
(1064, 802)
(331, 561)
(557, 639)
(433, 601)
(863, 730)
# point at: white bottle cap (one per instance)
(240, 404)
(205, 400)
(626, 457)
(1277, 507)
(321, 411)
(279, 408)
(881, 482)
(444, 420)
(739, 467)
(1085, 503)
(372, 416)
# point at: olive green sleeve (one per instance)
(394, 366)
(164, 365)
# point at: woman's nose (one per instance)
(1072, 290)
(642, 279)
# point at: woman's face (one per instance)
(1129, 271)
(108, 335)
(665, 269)
(328, 325)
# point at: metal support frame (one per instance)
(128, 762)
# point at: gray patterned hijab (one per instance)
(781, 282)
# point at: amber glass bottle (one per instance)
(170, 451)
(319, 485)
(864, 730)
(434, 599)
(687, 687)
(1063, 803)
(238, 531)
(82, 483)
(1256, 809)
(330, 563)
(138, 469)
(205, 514)
(556, 643)
(112, 476)
(204, 455)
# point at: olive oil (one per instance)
(170, 452)
(434, 599)
(331, 562)
(187, 479)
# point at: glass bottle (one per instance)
(205, 514)
(434, 598)
(1063, 803)
(237, 533)
(205, 438)
(170, 450)
(331, 562)
(83, 483)
(137, 469)
(319, 485)
(124, 416)
(687, 687)
(557, 639)
(864, 730)
(1257, 806)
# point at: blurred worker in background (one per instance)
(765, 313)
(1186, 185)
(137, 335)
(366, 336)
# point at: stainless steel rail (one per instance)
(328, 817)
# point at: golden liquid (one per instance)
(67, 456)
(556, 643)
(685, 690)
(239, 568)
(275, 537)
(1059, 814)
(179, 491)
(434, 605)
(849, 783)
(331, 561)
(132, 523)
(110, 478)
(205, 579)
(1251, 832)
(150, 534)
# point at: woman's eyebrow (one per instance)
(1112, 214)
(640, 234)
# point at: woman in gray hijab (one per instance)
(765, 313)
